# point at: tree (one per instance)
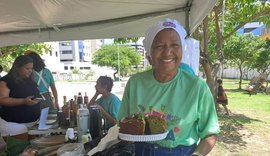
(9, 53)
(261, 60)
(107, 55)
(126, 40)
(237, 14)
(240, 50)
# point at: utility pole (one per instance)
(118, 62)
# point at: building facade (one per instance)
(67, 56)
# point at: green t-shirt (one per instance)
(48, 78)
(110, 104)
(186, 100)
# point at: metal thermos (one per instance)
(82, 122)
(95, 122)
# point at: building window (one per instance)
(67, 52)
(66, 60)
(65, 43)
(50, 53)
(65, 67)
(56, 53)
(85, 68)
(71, 67)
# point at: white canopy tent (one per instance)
(29, 21)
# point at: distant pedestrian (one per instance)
(221, 97)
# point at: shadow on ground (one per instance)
(231, 126)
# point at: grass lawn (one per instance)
(246, 132)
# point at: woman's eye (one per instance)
(176, 45)
(159, 46)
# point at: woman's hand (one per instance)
(30, 101)
(98, 106)
(56, 105)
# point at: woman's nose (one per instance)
(168, 49)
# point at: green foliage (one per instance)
(245, 11)
(76, 71)
(237, 12)
(126, 40)
(240, 49)
(108, 56)
(9, 53)
(88, 74)
(261, 61)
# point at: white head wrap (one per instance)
(167, 23)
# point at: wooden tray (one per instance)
(48, 141)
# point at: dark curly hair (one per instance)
(106, 81)
(38, 62)
(219, 81)
(19, 62)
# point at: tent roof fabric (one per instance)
(29, 21)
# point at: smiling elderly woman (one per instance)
(184, 98)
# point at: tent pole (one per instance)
(187, 12)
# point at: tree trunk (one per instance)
(241, 77)
(209, 79)
(114, 75)
(206, 63)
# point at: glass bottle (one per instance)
(79, 99)
(85, 99)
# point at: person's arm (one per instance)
(93, 99)
(205, 145)
(208, 126)
(106, 115)
(55, 95)
(5, 100)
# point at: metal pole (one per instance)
(118, 63)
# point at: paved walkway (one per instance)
(70, 89)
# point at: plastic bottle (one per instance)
(82, 122)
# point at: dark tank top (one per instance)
(22, 113)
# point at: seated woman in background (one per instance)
(108, 103)
(19, 110)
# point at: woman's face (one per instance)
(166, 51)
(26, 70)
(100, 88)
